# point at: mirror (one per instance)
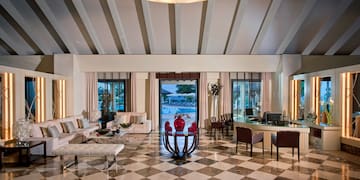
(301, 101)
(355, 120)
(30, 98)
(1, 106)
(326, 101)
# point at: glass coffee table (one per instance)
(20, 146)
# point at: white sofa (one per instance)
(54, 143)
(136, 127)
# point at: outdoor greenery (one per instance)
(185, 88)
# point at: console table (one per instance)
(19, 146)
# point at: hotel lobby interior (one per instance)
(179, 89)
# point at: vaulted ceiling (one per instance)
(308, 27)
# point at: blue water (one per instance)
(174, 110)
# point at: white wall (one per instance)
(178, 63)
(20, 75)
(67, 65)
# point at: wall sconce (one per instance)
(40, 100)
(8, 106)
(60, 99)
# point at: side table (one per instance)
(14, 145)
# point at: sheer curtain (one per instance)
(133, 92)
(92, 96)
(266, 92)
(225, 93)
(203, 99)
(153, 99)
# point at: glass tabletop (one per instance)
(20, 144)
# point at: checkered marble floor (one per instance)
(144, 157)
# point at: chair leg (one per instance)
(251, 149)
(271, 150)
(262, 146)
(277, 153)
(298, 154)
(292, 151)
(246, 146)
(236, 146)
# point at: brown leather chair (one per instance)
(286, 139)
(245, 135)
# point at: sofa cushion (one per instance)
(83, 123)
(69, 127)
(124, 119)
(53, 131)
(140, 119)
(44, 131)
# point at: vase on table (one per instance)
(179, 124)
(22, 129)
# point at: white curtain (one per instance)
(153, 93)
(133, 92)
(225, 93)
(203, 99)
(266, 92)
(92, 96)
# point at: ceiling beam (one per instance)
(178, 28)
(309, 5)
(11, 9)
(3, 51)
(236, 26)
(87, 22)
(344, 4)
(10, 42)
(209, 13)
(54, 22)
(356, 51)
(148, 24)
(344, 38)
(119, 25)
(270, 15)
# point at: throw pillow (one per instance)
(85, 123)
(53, 131)
(124, 119)
(62, 124)
(79, 122)
(44, 131)
(140, 119)
(70, 127)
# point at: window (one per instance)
(178, 97)
(111, 94)
(246, 94)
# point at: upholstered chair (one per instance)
(245, 135)
(286, 139)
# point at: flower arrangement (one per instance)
(311, 116)
(329, 111)
(214, 88)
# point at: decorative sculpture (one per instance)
(179, 123)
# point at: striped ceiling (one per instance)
(308, 27)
